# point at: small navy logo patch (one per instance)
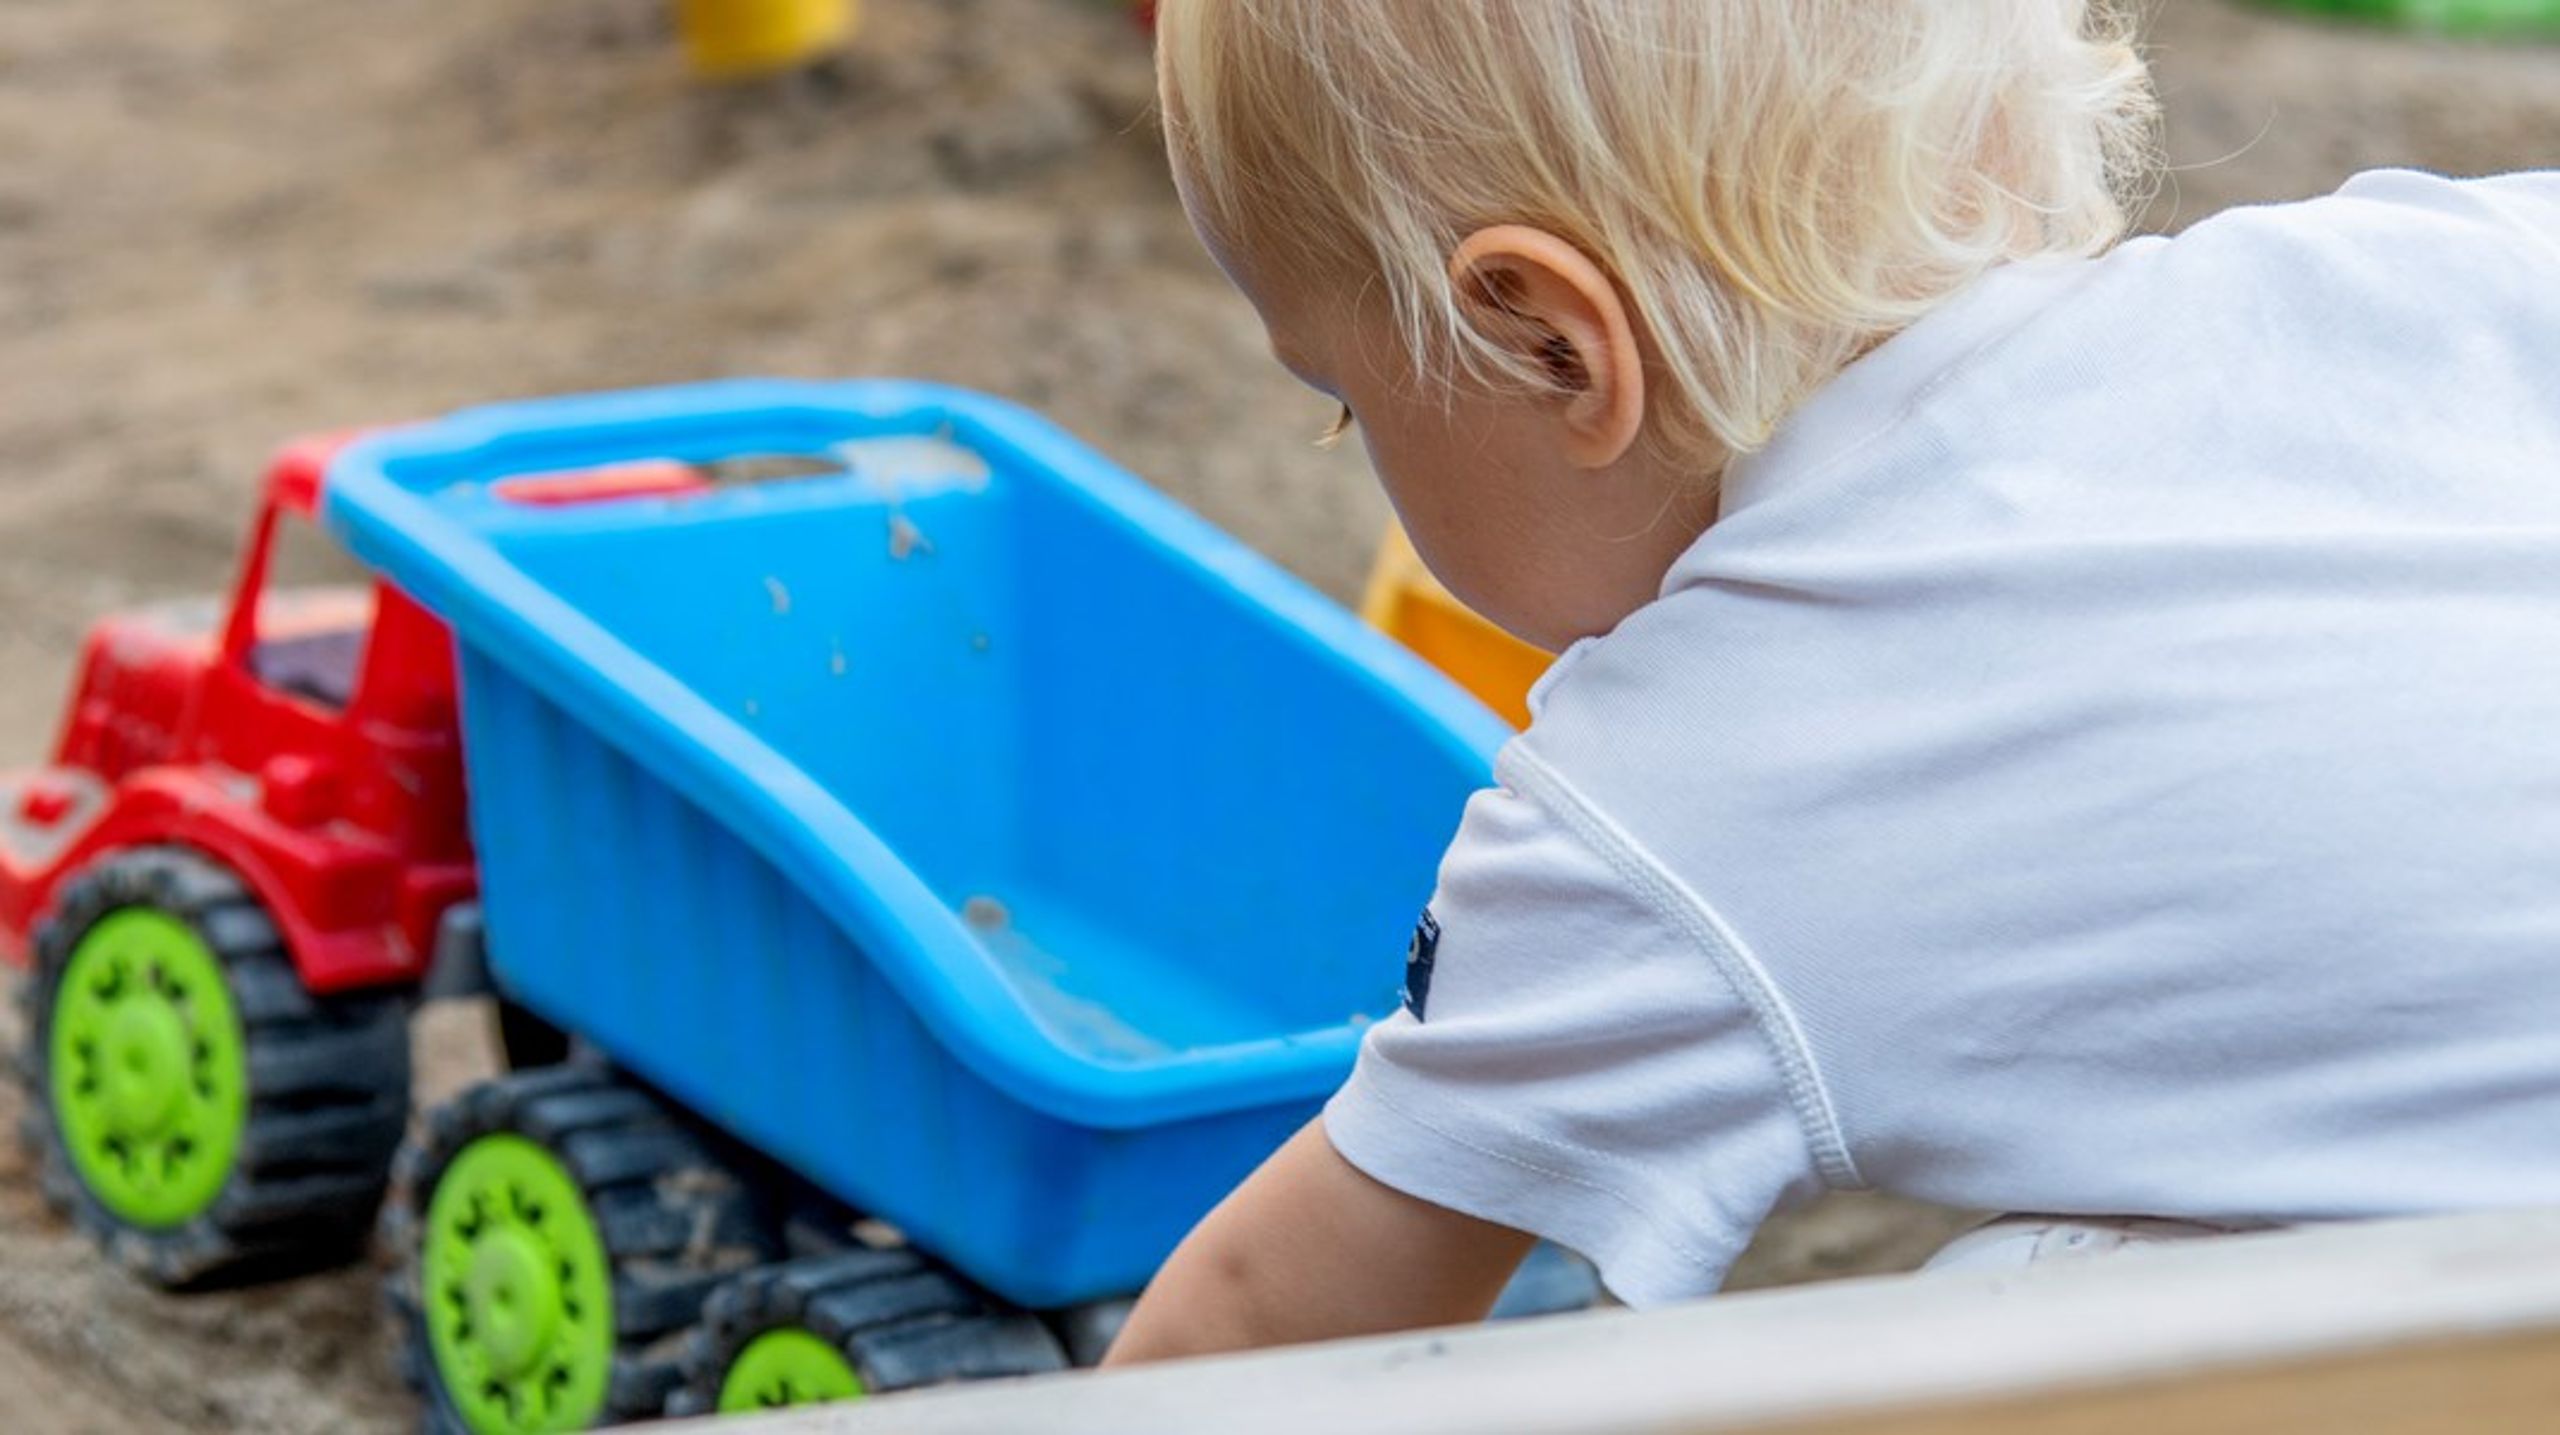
(1417, 963)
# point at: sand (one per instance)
(224, 224)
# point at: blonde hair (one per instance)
(1775, 185)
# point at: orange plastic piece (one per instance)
(1407, 604)
(733, 39)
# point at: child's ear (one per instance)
(1546, 302)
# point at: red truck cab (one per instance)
(305, 740)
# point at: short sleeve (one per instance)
(1575, 1065)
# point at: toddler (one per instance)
(2044, 723)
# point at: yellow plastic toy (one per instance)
(735, 39)
(1407, 604)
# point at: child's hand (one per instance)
(1312, 1249)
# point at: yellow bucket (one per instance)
(732, 39)
(1407, 604)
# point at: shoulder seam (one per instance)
(1684, 909)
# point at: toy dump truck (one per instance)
(957, 865)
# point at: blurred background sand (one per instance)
(224, 224)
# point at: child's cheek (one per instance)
(1439, 502)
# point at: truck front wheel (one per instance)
(191, 1105)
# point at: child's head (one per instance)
(1555, 252)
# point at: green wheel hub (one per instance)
(518, 1296)
(787, 1367)
(150, 1083)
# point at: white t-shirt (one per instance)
(2105, 760)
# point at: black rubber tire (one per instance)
(328, 1086)
(1087, 1331)
(675, 1217)
(901, 1320)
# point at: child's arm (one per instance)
(1312, 1249)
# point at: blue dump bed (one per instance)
(1002, 848)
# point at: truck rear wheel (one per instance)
(559, 1231)
(190, 1105)
(845, 1326)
